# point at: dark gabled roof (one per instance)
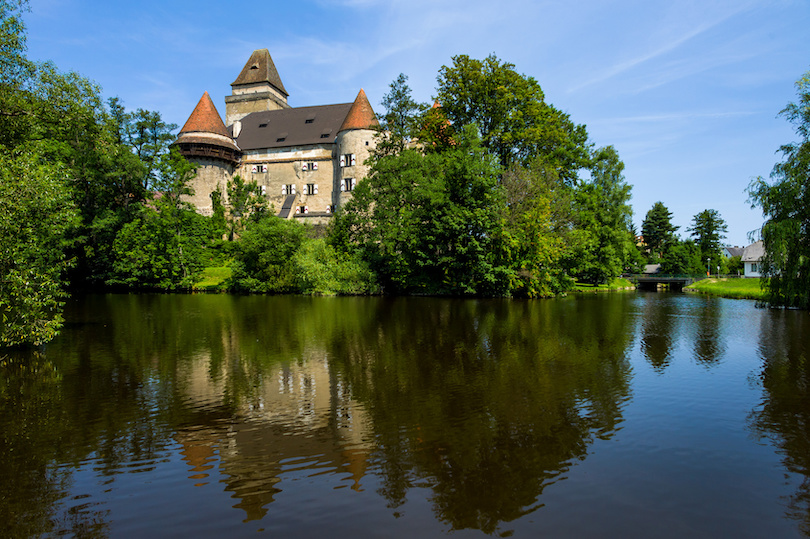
(734, 251)
(754, 252)
(260, 68)
(292, 127)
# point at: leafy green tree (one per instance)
(163, 247)
(601, 243)
(538, 220)
(324, 271)
(785, 203)
(515, 122)
(429, 222)
(683, 258)
(36, 216)
(709, 229)
(263, 261)
(245, 202)
(658, 230)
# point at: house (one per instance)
(731, 252)
(752, 259)
(305, 160)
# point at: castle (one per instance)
(306, 160)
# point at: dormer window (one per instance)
(324, 135)
(281, 139)
(262, 125)
(309, 120)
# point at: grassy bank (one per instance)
(616, 284)
(213, 279)
(729, 288)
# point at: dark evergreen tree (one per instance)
(658, 230)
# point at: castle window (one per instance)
(312, 165)
(347, 160)
(348, 184)
(302, 209)
(312, 189)
(288, 189)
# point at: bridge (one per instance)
(653, 281)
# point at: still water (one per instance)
(622, 415)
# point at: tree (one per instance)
(515, 122)
(263, 261)
(245, 202)
(162, 247)
(429, 223)
(657, 229)
(785, 203)
(401, 121)
(538, 222)
(36, 216)
(708, 229)
(601, 243)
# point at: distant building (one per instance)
(307, 160)
(752, 259)
(731, 252)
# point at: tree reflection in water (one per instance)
(785, 413)
(487, 402)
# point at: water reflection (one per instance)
(238, 405)
(785, 413)
(488, 402)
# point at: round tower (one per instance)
(354, 143)
(204, 140)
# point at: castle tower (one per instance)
(354, 143)
(258, 88)
(205, 141)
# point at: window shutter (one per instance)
(342, 161)
(328, 209)
(314, 166)
(316, 188)
(283, 189)
(303, 166)
(354, 183)
(264, 168)
(354, 160)
(297, 210)
(264, 189)
(306, 209)
(254, 169)
(293, 189)
(342, 187)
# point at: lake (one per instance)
(614, 415)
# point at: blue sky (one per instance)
(687, 91)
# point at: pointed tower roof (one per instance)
(260, 68)
(361, 115)
(204, 128)
(205, 119)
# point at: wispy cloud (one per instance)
(678, 40)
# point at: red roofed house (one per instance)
(306, 160)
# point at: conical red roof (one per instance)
(361, 115)
(205, 119)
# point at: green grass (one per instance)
(729, 288)
(616, 284)
(213, 279)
